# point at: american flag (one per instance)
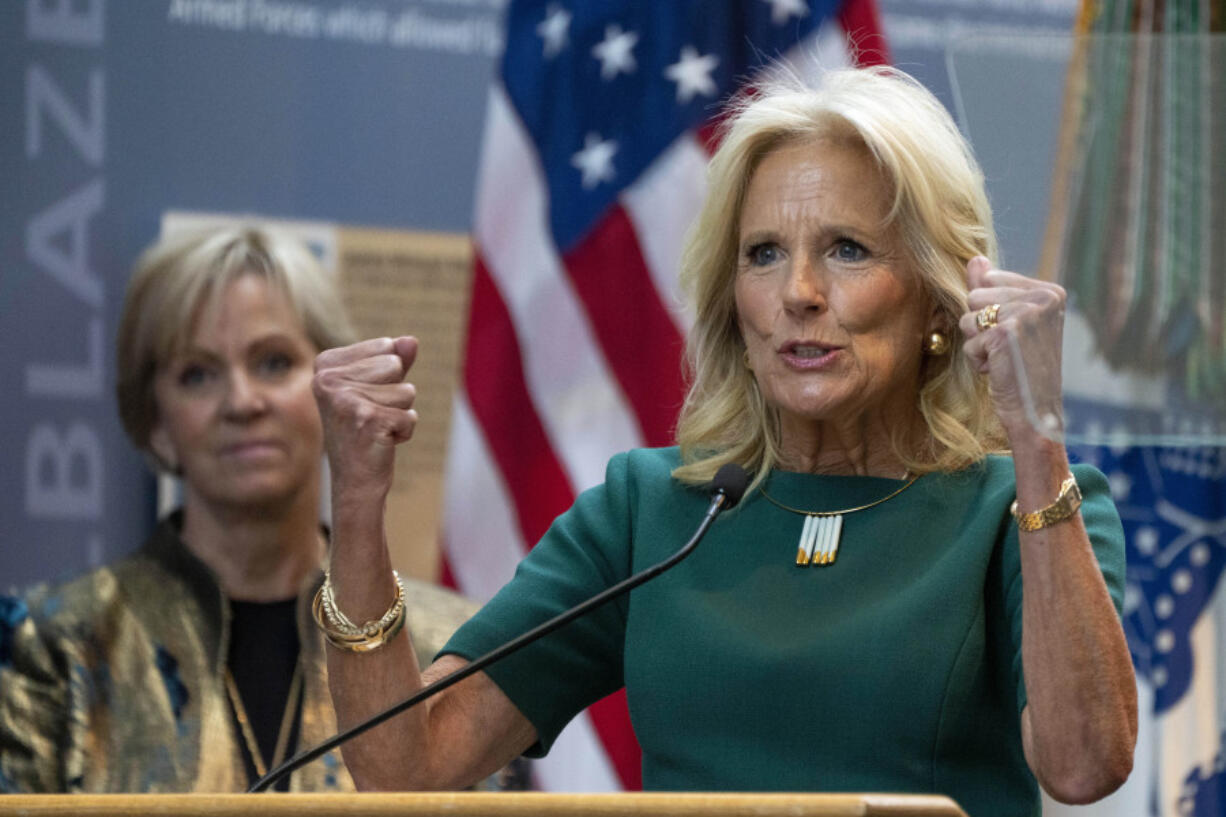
(597, 136)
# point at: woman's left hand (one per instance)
(1079, 725)
(1030, 318)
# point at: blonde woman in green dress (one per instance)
(858, 622)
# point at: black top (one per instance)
(263, 652)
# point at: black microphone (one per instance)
(727, 488)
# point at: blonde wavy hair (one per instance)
(178, 277)
(941, 209)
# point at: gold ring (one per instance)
(985, 318)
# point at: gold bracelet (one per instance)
(342, 633)
(340, 623)
(1066, 505)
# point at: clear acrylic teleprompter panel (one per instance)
(1103, 159)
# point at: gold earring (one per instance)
(746, 359)
(937, 343)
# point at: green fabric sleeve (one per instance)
(585, 550)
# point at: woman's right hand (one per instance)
(367, 410)
(470, 730)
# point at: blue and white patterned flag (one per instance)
(1173, 504)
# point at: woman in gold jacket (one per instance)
(193, 664)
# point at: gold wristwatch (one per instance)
(1066, 505)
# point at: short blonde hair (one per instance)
(941, 210)
(179, 276)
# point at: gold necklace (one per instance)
(287, 720)
(820, 534)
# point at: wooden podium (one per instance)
(479, 804)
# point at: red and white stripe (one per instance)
(552, 384)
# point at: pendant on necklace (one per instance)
(819, 540)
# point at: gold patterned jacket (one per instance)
(113, 682)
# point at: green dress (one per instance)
(896, 668)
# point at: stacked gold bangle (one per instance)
(1065, 506)
(344, 634)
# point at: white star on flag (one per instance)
(692, 73)
(595, 161)
(784, 10)
(616, 52)
(554, 29)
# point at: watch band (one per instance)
(1066, 505)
